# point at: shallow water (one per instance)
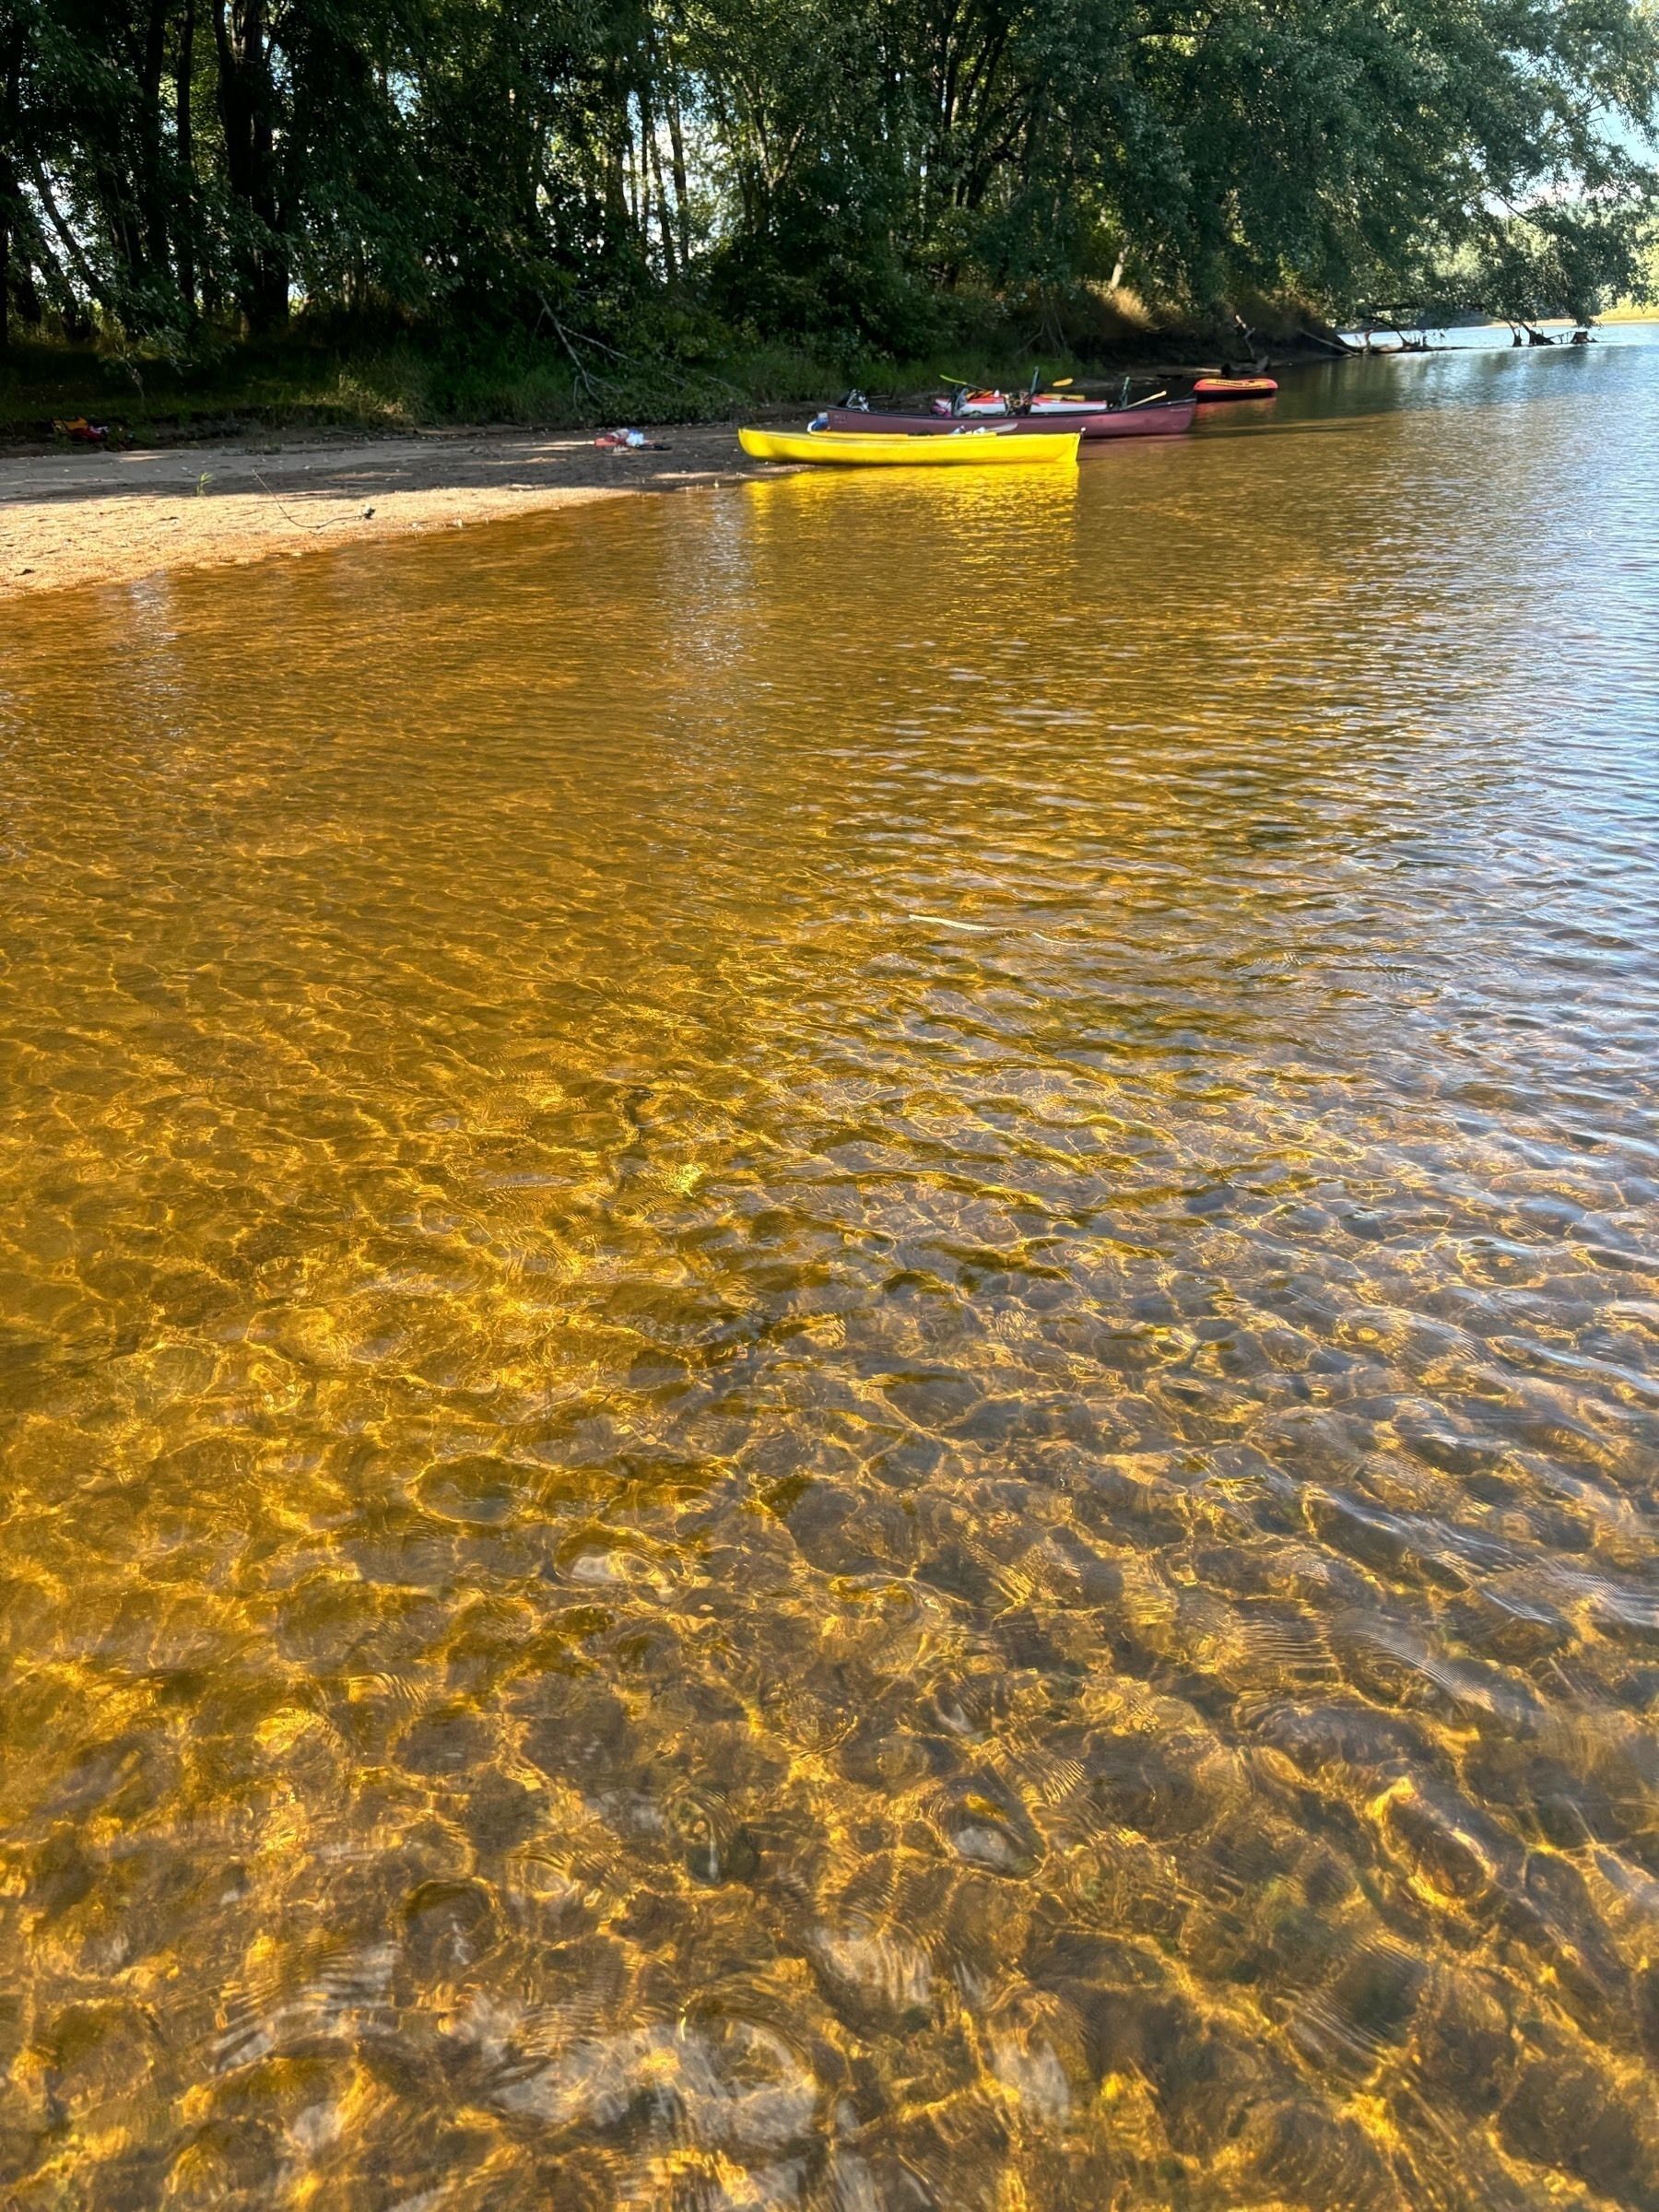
(828, 1327)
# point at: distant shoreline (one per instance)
(1622, 315)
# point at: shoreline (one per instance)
(87, 515)
(92, 516)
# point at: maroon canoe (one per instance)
(1158, 418)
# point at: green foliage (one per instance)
(672, 178)
(1561, 259)
(330, 371)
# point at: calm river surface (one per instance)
(827, 1323)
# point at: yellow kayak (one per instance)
(858, 448)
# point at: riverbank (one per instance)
(74, 515)
(89, 516)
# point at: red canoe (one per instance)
(1211, 388)
(1160, 418)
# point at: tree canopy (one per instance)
(819, 169)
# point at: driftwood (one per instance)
(1387, 318)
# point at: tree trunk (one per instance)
(66, 239)
(184, 241)
(246, 99)
(663, 224)
(641, 204)
(676, 147)
(20, 242)
(77, 323)
(618, 153)
(150, 196)
(11, 198)
(25, 292)
(651, 178)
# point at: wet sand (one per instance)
(92, 516)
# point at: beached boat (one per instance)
(1157, 418)
(1209, 389)
(975, 445)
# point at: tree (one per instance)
(843, 170)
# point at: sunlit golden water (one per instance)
(828, 1341)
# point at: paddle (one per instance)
(957, 388)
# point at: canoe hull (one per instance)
(1163, 418)
(864, 449)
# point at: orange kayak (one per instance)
(1235, 388)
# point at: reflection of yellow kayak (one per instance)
(856, 449)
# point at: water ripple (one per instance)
(827, 1323)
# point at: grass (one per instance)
(311, 382)
(326, 374)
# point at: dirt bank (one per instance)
(86, 515)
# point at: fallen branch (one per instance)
(570, 340)
(589, 385)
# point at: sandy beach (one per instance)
(86, 515)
